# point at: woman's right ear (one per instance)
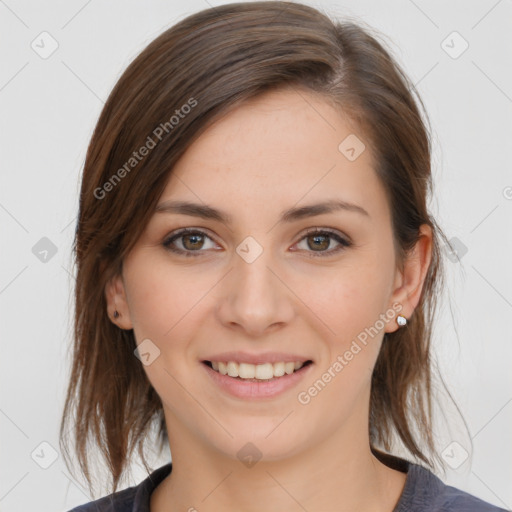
(117, 305)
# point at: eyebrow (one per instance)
(292, 214)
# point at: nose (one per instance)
(255, 298)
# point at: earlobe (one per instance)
(117, 305)
(412, 278)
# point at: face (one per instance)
(252, 284)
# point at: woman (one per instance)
(257, 273)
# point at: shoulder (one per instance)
(453, 499)
(425, 492)
(457, 500)
(121, 501)
(132, 499)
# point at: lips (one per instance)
(265, 385)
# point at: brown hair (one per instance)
(189, 76)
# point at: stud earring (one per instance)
(116, 314)
(401, 320)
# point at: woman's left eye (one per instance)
(193, 240)
(321, 239)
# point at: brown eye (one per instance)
(319, 241)
(191, 242)
(187, 242)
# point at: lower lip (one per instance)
(257, 390)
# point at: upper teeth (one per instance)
(256, 371)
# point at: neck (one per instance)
(340, 474)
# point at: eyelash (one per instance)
(312, 231)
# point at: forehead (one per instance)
(281, 148)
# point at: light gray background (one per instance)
(49, 108)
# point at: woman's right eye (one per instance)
(191, 241)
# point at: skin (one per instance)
(279, 150)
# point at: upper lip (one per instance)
(261, 358)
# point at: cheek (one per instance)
(351, 308)
(347, 300)
(165, 307)
(162, 298)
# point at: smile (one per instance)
(249, 381)
(247, 371)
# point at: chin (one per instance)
(262, 442)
